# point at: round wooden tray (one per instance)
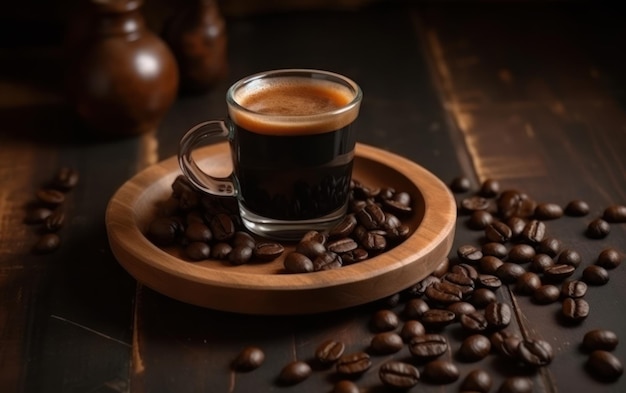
(264, 288)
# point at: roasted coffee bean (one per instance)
(198, 232)
(398, 206)
(615, 214)
(373, 241)
(354, 256)
(474, 348)
(248, 359)
(267, 251)
(489, 188)
(541, 262)
(295, 372)
(477, 380)
(550, 246)
(574, 289)
(600, 339)
(469, 253)
(598, 229)
(329, 351)
(509, 272)
(498, 315)
(241, 238)
(353, 364)
(399, 375)
(461, 308)
(577, 208)
(521, 253)
(548, 211)
(575, 310)
(604, 366)
(509, 203)
(441, 371)
(222, 227)
(442, 268)
(384, 321)
(47, 243)
(197, 251)
(435, 318)
(240, 255)
(341, 245)
(310, 248)
(516, 385)
(444, 293)
(533, 232)
(498, 232)
(464, 283)
(474, 322)
(569, 257)
(50, 197)
(345, 386)
(221, 250)
(460, 184)
(546, 294)
(327, 261)
(535, 352)
(489, 281)
(558, 273)
(517, 225)
(65, 179)
(428, 346)
(37, 215)
(505, 343)
(479, 219)
(482, 297)
(489, 264)
(495, 249)
(314, 236)
(415, 308)
(527, 283)
(474, 203)
(419, 289)
(344, 227)
(595, 275)
(385, 343)
(390, 301)
(54, 221)
(164, 230)
(609, 258)
(410, 329)
(371, 216)
(466, 270)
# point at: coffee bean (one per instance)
(415, 308)
(527, 283)
(482, 297)
(505, 343)
(516, 385)
(198, 232)
(509, 203)
(327, 261)
(595, 275)
(609, 258)
(541, 262)
(535, 352)
(398, 205)
(54, 221)
(550, 246)
(354, 256)
(469, 253)
(341, 245)
(474, 322)
(399, 375)
(384, 320)
(498, 315)
(65, 179)
(598, 229)
(164, 230)
(345, 386)
(267, 251)
(489, 264)
(615, 214)
(577, 208)
(314, 236)
(373, 241)
(436, 319)
(600, 339)
(495, 249)
(474, 203)
(548, 211)
(479, 219)
(463, 282)
(240, 255)
(37, 215)
(344, 227)
(222, 227)
(197, 251)
(489, 188)
(461, 308)
(221, 250)
(50, 197)
(604, 366)
(441, 372)
(498, 232)
(521, 253)
(466, 270)
(248, 359)
(241, 238)
(574, 289)
(546, 294)
(411, 329)
(517, 225)
(509, 272)
(569, 257)
(311, 249)
(575, 310)
(533, 232)
(47, 243)
(442, 268)
(489, 281)
(444, 293)
(558, 273)
(385, 343)
(419, 289)
(295, 372)
(474, 348)
(353, 364)
(329, 351)
(371, 216)
(477, 380)
(428, 346)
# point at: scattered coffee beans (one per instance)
(329, 352)
(475, 348)
(399, 375)
(385, 343)
(353, 364)
(516, 385)
(249, 359)
(600, 339)
(615, 214)
(598, 229)
(604, 365)
(295, 372)
(384, 320)
(575, 310)
(477, 380)
(441, 371)
(609, 258)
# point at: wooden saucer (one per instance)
(264, 288)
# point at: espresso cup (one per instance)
(292, 137)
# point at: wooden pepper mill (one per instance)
(121, 77)
(196, 33)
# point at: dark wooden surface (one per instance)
(531, 94)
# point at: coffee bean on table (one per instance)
(249, 359)
(546, 294)
(469, 253)
(411, 329)
(442, 268)
(466, 270)
(527, 283)
(441, 371)
(474, 322)
(521, 253)
(595, 275)
(345, 386)
(600, 339)
(477, 380)
(461, 308)
(474, 203)
(574, 289)
(415, 308)
(569, 257)
(435, 318)
(428, 346)
(615, 214)
(550, 246)
(498, 232)
(54, 221)
(517, 225)
(495, 249)
(489, 188)
(598, 229)
(489, 264)
(576, 208)
(535, 352)
(482, 297)
(444, 293)
(474, 348)
(489, 281)
(505, 343)
(353, 364)
(460, 184)
(548, 211)
(463, 282)
(541, 262)
(575, 310)
(47, 243)
(385, 343)
(533, 232)
(294, 372)
(479, 220)
(50, 197)
(384, 320)
(399, 375)
(558, 273)
(329, 351)
(609, 258)
(604, 365)
(419, 289)
(37, 215)
(498, 315)
(509, 272)
(516, 385)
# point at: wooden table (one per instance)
(531, 94)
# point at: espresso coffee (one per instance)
(291, 149)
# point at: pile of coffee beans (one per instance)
(206, 227)
(46, 212)
(515, 253)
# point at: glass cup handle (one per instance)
(201, 135)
